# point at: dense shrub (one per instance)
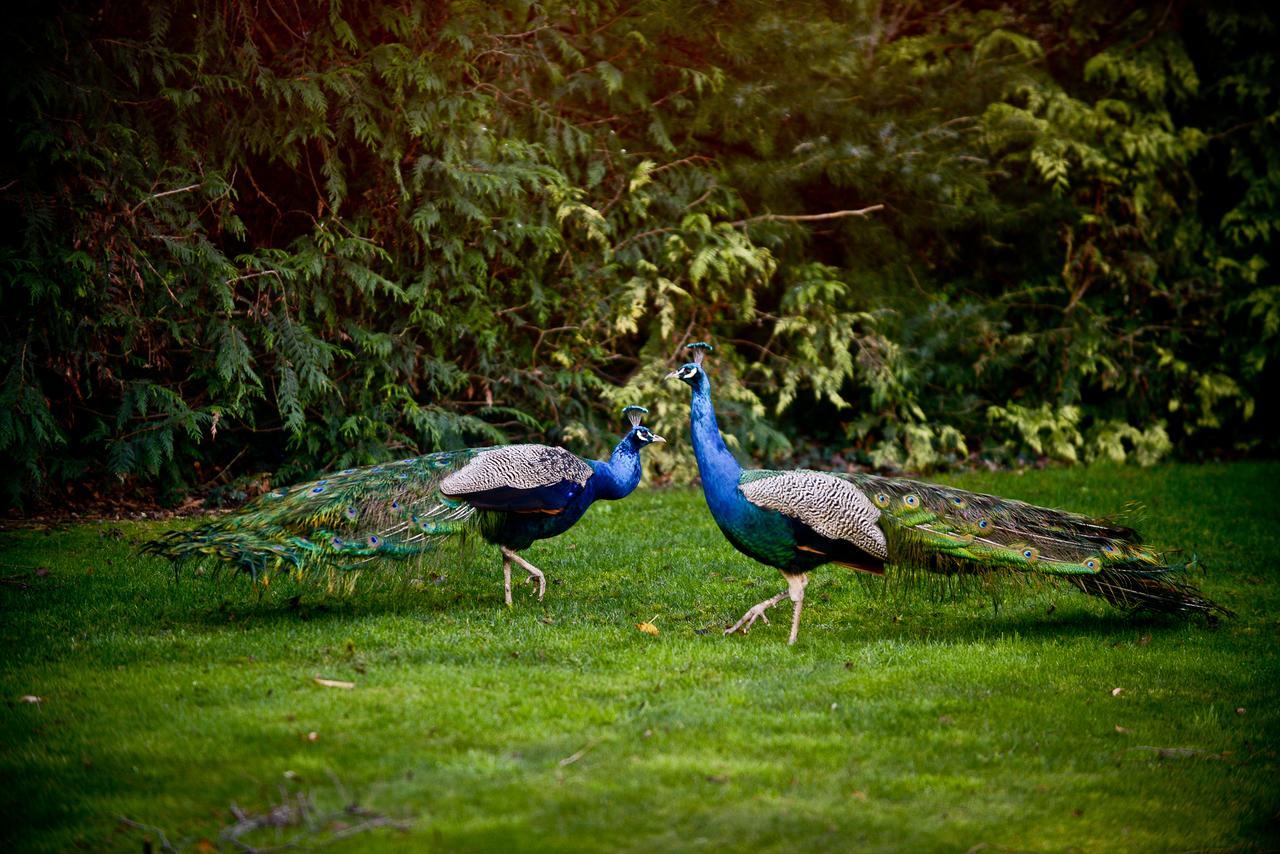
(297, 235)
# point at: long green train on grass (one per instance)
(509, 496)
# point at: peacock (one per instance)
(796, 521)
(509, 495)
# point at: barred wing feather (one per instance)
(831, 507)
(519, 478)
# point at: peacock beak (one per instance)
(674, 375)
(657, 438)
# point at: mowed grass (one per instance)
(1039, 721)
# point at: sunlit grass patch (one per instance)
(902, 722)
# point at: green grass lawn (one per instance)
(897, 722)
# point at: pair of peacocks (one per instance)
(794, 521)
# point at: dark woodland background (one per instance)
(287, 235)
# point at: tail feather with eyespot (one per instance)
(940, 529)
(345, 519)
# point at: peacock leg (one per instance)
(534, 572)
(795, 589)
(756, 612)
(506, 578)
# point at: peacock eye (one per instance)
(395, 505)
(911, 501)
(959, 502)
(317, 490)
(983, 524)
(1091, 563)
(374, 541)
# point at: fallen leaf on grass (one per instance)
(1123, 730)
(649, 628)
(1116, 692)
(334, 683)
(859, 794)
(31, 698)
(720, 779)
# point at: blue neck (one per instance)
(620, 475)
(717, 467)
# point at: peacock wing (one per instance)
(833, 508)
(519, 478)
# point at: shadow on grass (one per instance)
(307, 602)
(477, 600)
(1072, 624)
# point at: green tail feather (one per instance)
(938, 529)
(391, 511)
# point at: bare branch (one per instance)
(155, 196)
(807, 217)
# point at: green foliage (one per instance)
(327, 232)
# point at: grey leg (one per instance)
(755, 612)
(795, 590)
(535, 574)
(506, 578)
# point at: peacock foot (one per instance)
(536, 576)
(794, 592)
(755, 612)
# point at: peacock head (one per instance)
(640, 434)
(692, 372)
